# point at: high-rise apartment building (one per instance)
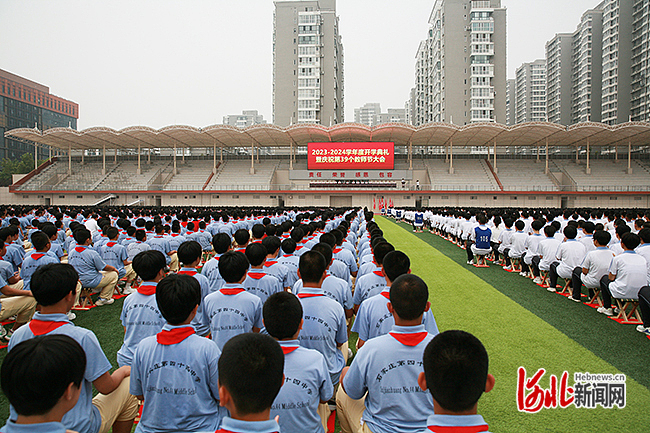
(461, 66)
(640, 85)
(307, 63)
(27, 104)
(366, 114)
(586, 93)
(511, 86)
(530, 92)
(559, 78)
(245, 119)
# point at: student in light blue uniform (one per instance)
(324, 328)
(141, 316)
(374, 318)
(250, 372)
(221, 243)
(139, 245)
(15, 252)
(39, 257)
(232, 310)
(386, 410)
(306, 379)
(272, 266)
(456, 374)
(57, 360)
(160, 243)
(176, 238)
(113, 253)
(54, 288)
(175, 372)
(257, 281)
(189, 254)
(289, 260)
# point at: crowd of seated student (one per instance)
(293, 279)
(606, 251)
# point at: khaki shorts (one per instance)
(119, 405)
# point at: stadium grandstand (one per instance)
(526, 165)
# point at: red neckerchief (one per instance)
(231, 290)
(309, 295)
(386, 295)
(459, 429)
(409, 339)
(379, 273)
(288, 349)
(191, 273)
(256, 275)
(147, 289)
(80, 249)
(111, 244)
(269, 263)
(175, 234)
(174, 336)
(37, 256)
(288, 255)
(337, 250)
(42, 327)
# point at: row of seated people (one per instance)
(237, 380)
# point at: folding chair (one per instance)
(632, 316)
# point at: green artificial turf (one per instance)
(522, 324)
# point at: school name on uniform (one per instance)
(398, 364)
(181, 365)
(588, 391)
(300, 384)
(229, 310)
(144, 306)
(320, 321)
(174, 391)
(382, 320)
(399, 390)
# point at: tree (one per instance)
(9, 167)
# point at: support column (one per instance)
(139, 167)
(577, 154)
(410, 155)
(183, 155)
(546, 170)
(116, 155)
(615, 153)
(537, 153)
(451, 157)
(291, 155)
(496, 170)
(588, 170)
(35, 156)
(149, 155)
(258, 154)
(50, 153)
(175, 169)
(83, 154)
(629, 157)
(221, 153)
(252, 170)
(104, 160)
(214, 158)
(69, 160)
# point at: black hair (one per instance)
(325, 250)
(603, 237)
(233, 265)
(409, 295)
(312, 266)
(81, 235)
(631, 241)
(338, 234)
(242, 237)
(221, 242)
(644, 234)
(482, 219)
(148, 263)
(251, 368)
(456, 368)
(49, 229)
(39, 240)
(258, 231)
(289, 246)
(36, 372)
(176, 296)
(256, 253)
(140, 235)
(329, 239)
(537, 225)
(396, 263)
(570, 232)
(282, 313)
(380, 250)
(52, 282)
(519, 225)
(272, 244)
(549, 231)
(588, 227)
(112, 232)
(188, 252)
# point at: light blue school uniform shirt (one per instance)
(369, 285)
(259, 283)
(15, 255)
(231, 425)
(388, 370)
(291, 262)
(127, 241)
(279, 271)
(88, 265)
(373, 318)
(340, 270)
(334, 288)
(449, 422)
(324, 328)
(84, 416)
(175, 239)
(211, 272)
(179, 382)
(33, 261)
(203, 238)
(346, 257)
(229, 314)
(306, 383)
(46, 427)
(201, 327)
(114, 254)
(136, 247)
(160, 243)
(141, 318)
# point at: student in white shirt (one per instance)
(594, 266)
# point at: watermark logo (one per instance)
(588, 391)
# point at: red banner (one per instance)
(350, 156)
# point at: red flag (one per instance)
(391, 203)
(374, 205)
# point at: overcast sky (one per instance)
(164, 62)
